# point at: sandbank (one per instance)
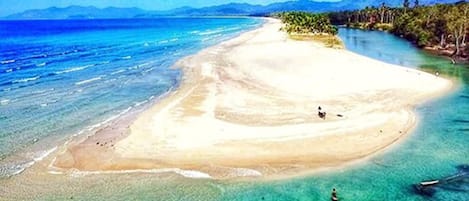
(248, 107)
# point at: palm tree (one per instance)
(406, 5)
(306, 23)
(383, 10)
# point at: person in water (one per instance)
(334, 195)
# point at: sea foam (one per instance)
(41, 64)
(73, 69)
(88, 80)
(26, 79)
(14, 169)
(4, 101)
(8, 61)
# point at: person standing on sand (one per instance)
(321, 114)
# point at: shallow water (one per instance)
(432, 151)
(61, 77)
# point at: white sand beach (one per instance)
(252, 102)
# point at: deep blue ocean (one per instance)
(58, 78)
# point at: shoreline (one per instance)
(434, 49)
(230, 104)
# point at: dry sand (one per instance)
(248, 106)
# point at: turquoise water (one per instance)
(432, 151)
(59, 78)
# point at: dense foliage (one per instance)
(307, 23)
(445, 26)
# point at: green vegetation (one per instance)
(310, 26)
(307, 23)
(368, 18)
(442, 27)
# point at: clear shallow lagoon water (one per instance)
(58, 78)
(438, 145)
(432, 151)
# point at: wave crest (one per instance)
(41, 64)
(88, 80)
(26, 79)
(73, 69)
(8, 61)
(9, 170)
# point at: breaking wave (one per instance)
(73, 69)
(26, 79)
(88, 80)
(7, 61)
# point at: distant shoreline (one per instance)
(248, 107)
(434, 50)
(149, 18)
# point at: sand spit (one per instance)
(251, 104)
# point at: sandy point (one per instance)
(249, 107)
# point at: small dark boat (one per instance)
(456, 182)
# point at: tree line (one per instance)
(441, 26)
(306, 23)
